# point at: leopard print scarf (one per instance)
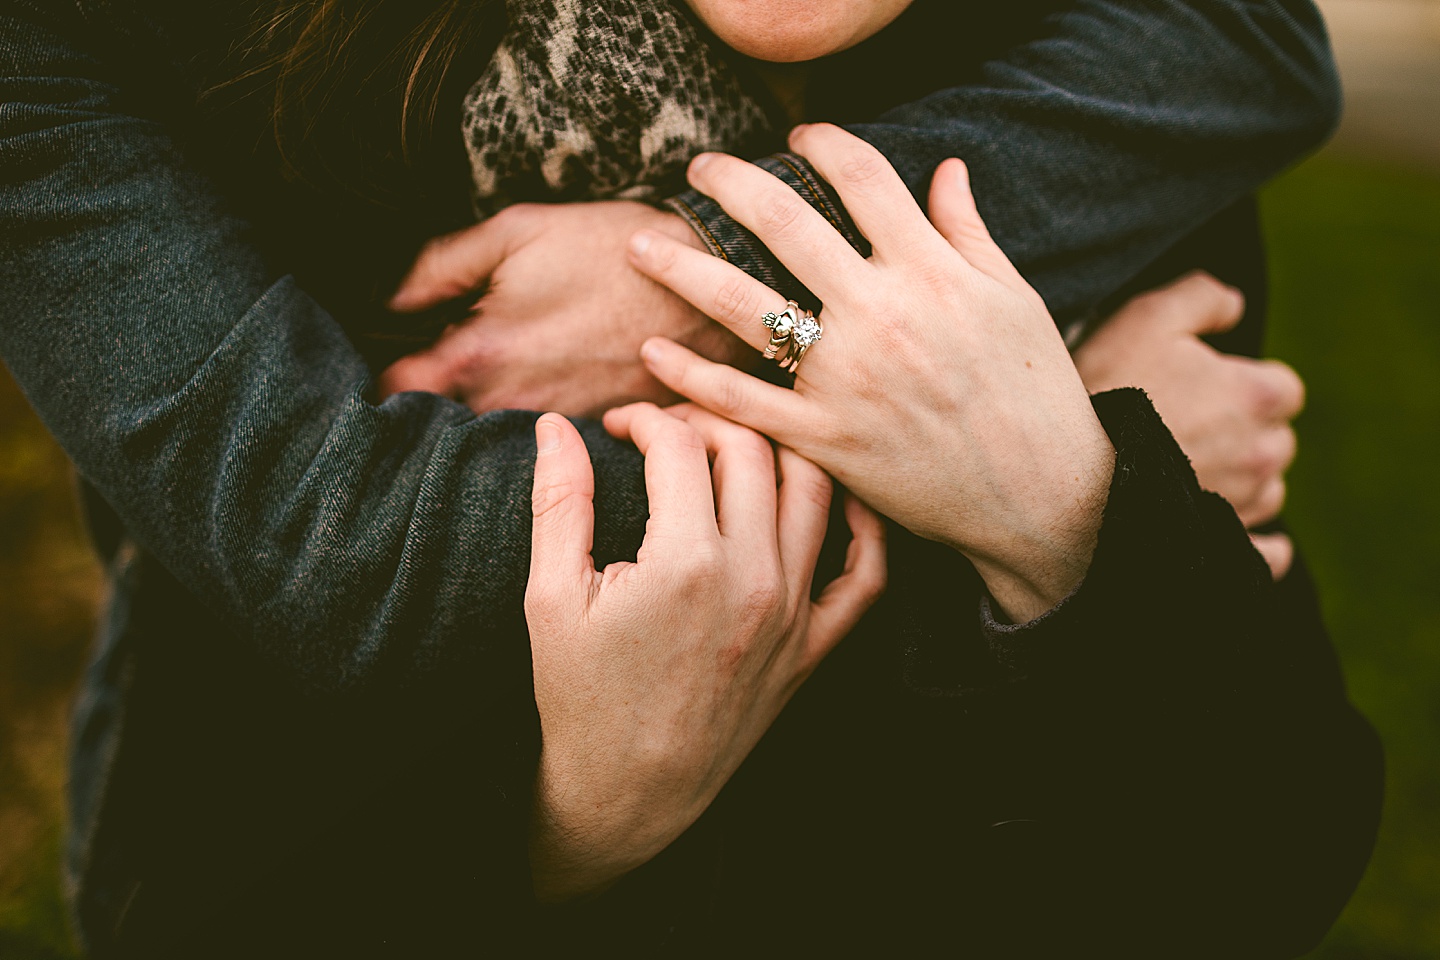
(601, 99)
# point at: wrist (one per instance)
(580, 847)
(1040, 560)
(573, 858)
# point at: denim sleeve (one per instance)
(1098, 145)
(223, 414)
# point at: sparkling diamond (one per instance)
(807, 331)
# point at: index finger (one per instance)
(457, 263)
(744, 476)
(677, 472)
(720, 290)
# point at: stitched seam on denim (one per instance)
(820, 201)
(697, 222)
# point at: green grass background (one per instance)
(1355, 248)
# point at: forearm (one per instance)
(223, 414)
(1120, 127)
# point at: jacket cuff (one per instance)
(1166, 550)
(726, 238)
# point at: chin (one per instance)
(791, 31)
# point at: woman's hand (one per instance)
(941, 393)
(563, 314)
(1231, 415)
(655, 679)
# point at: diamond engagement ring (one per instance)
(780, 326)
(806, 332)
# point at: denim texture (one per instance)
(311, 726)
(1095, 143)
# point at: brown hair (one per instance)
(349, 87)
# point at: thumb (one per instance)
(563, 514)
(453, 265)
(954, 215)
(1201, 305)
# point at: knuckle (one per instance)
(1290, 386)
(517, 215)
(780, 213)
(1271, 499)
(1201, 285)
(542, 598)
(1262, 395)
(678, 437)
(1283, 449)
(548, 495)
(473, 354)
(873, 583)
(1258, 462)
(435, 247)
(862, 166)
(735, 298)
(763, 599)
(752, 451)
(729, 397)
(759, 452)
(1204, 284)
(816, 488)
(700, 567)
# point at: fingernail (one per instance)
(701, 162)
(547, 436)
(650, 352)
(639, 243)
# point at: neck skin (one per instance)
(787, 83)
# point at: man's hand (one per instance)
(655, 679)
(563, 313)
(1231, 415)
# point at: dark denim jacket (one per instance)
(1096, 136)
(319, 583)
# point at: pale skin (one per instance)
(655, 679)
(563, 315)
(1231, 415)
(942, 395)
(949, 374)
(564, 311)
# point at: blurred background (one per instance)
(1355, 259)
